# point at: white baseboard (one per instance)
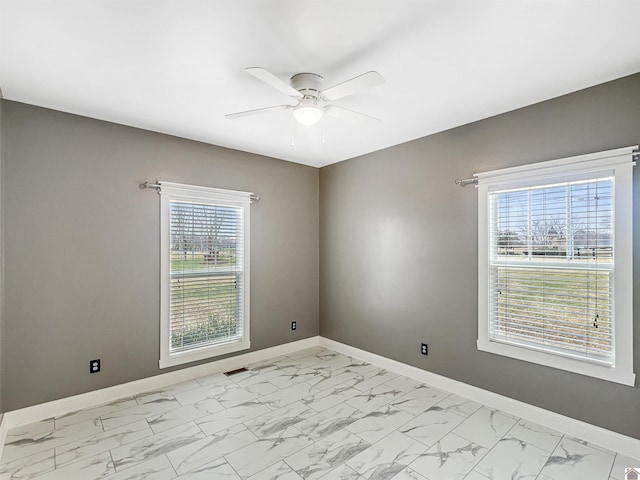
(598, 436)
(3, 432)
(56, 408)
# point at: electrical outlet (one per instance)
(294, 325)
(94, 366)
(424, 349)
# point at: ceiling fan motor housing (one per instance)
(308, 84)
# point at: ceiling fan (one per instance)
(312, 98)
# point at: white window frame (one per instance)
(196, 194)
(618, 163)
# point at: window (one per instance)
(204, 272)
(555, 264)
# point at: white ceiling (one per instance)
(177, 67)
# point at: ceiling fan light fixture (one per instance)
(308, 114)
(307, 89)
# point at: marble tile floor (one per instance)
(315, 414)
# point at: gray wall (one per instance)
(398, 244)
(82, 248)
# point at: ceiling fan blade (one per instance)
(346, 114)
(257, 111)
(270, 79)
(354, 85)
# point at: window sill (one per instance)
(612, 374)
(180, 358)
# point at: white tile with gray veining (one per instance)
(310, 361)
(101, 442)
(418, 399)
(96, 412)
(157, 444)
(388, 457)
(262, 373)
(432, 425)
(32, 430)
(512, 459)
(460, 405)
(374, 379)
(621, 464)
(326, 454)
(124, 416)
(213, 379)
(167, 392)
(181, 415)
(318, 376)
(277, 471)
(271, 423)
(343, 472)
(314, 414)
(218, 469)
(329, 421)
(573, 460)
(376, 425)
(29, 467)
(409, 474)
(264, 452)
(328, 379)
(232, 416)
(26, 444)
(281, 363)
(374, 398)
(287, 395)
(485, 427)
(450, 458)
(537, 435)
(337, 362)
(363, 369)
(96, 467)
(330, 397)
(473, 475)
(228, 394)
(238, 396)
(296, 376)
(202, 451)
(156, 468)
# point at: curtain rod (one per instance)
(157, 187)
(466, 181)
(635, 154)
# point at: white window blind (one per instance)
(206, 274)
(555, 276)
(551, 249)
(205, 253)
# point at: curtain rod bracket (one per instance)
(466, 181)
(154, 184)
